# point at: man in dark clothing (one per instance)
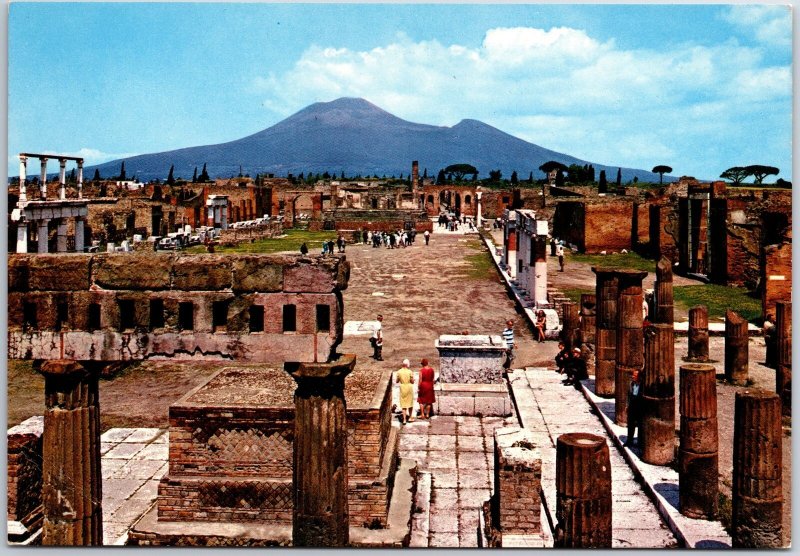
(576, 368)
(634, 408)
(304, 249)
(364, 236)
(562, 357)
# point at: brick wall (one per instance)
(24, 476)
(776, 277)
(516, 503)
(607, 226)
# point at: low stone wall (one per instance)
(25, 469)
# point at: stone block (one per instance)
(320, 276)
(257, 274)
(202, 272)
(18, 273)
(59, 272)
(132, 271)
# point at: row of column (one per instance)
(62, 174)
(43, 235)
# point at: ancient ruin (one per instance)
(630, 337)
(606, 334)
(737, 356)
(698, 334)
(658, 395)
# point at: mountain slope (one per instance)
(357, 137)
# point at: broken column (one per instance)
(736, 349)
(319, 465)
(588, 318)
(658, 395)
(583, 491)
(756, 521)
(698, 334)
(571, 325)
(606, 332)
(698, 457)
(630, 338)
(71, 478)
(783, 374)
(663, 295)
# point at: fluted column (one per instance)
(698, 457)
(71, 478)
(23, 171)
(698, 334)
(80, 179)
(664, 296)
(736, 349)
(571, 325)
(630, 337)
(583, 491)
(588, 318)
(658, 395)
(757, 471)
(43, 178)
(783, 374)
(478, 219)
(319, 471)
(62, 178)
(606, 331)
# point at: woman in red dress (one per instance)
(425, 395)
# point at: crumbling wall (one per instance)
(776, 277)
(25, 469)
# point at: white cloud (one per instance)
(559, 88)
(768, 24)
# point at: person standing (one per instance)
(377, 340)
(634, 408)
(508, 338)
(405, 378)
(427, 235)
(364, 236)
(304, 249)
(331, 243)
(560, 255)
(425, 393)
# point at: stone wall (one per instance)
(607, 226)
(126, 306)
(24, 481)
(776, 277)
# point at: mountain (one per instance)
(355, 136)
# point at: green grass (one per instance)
(480, 262)
(291, 242)
(574, 294)
(718, 299)
(629, 260)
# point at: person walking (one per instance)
(634, 408)
(331, 243)
(427, 236)
(508, 338)
(377, 340)
(425, 393)
(560, 255)
(304, 249)
(405, 378)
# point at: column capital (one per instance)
(62, 367)
(62, 161)
(23, 159)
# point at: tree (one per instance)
(530, 178)
(425, 174)
(495, 175)
(551, 165)
(458, 171)
(342, 178)
(661, 169)
(122, 176)
(326, 175)
(171, 177)
(96, 175)
(760, 172)
(602, 185)
(514, 178)
(559, 179)
(780, 182)
(194, 177)
(619, 177)
(204, 174)
(441, 179)
(736, 174)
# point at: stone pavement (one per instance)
(457, 452)
(132, 463)
(549, 409)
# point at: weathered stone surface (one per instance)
(663, 293)
(472, 359)
(698, 334)
(783, 375)
(737, 350)
(24, 484)
(588, 318)
(320, 277)
(132, 271)
(658, 390)
(571, 325)
(606, 331)
(59, 272)
(255, 274)
(630, 337)
(517, 477)
(202, 272)
(18, 273)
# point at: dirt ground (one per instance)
(422, 292)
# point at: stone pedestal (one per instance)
(470, 359)
(698, 334)
(606, 332)
(658, 395)
(783, 374)
(583, 491)
(571, 325)
(630, 338)
(757, 471)
(698, 458)
(588, 318)
(663, 295)
(71, 477)
(319, 478)
(736, 349)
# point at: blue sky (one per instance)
(697, 87)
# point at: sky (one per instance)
(699, 88)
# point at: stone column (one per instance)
(664, 299)
(783, 373)
(415, 182)
(72, 486)
(588, 318)
(23, 171)
(80, 179)
(79, 241)
(62, 178)
(43, 179)
(630, 337)
(658, 395)
(698, 334)
(583, 491)
(571, 325)
(61, 238)
(512, 253)
(606, 333)
(319, 470)
(479, 218)
(540, 268)
(43, 231)
(736, 349)
(698, 457)
(223, 217)
(757, 471)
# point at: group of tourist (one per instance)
(452, 223)
(426, 396)
(571, 363)
(394, 240)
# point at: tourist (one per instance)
(575, 368)
(324, 248)
(560, 255)
(331, 243)
(425, 394)
(562, 357)
(405, 378)
(340, 243)
(427, 236)
(377, 340)
(364, 237)
(634, 408)
(645, 309)
(508, 338)
(552, 246)
(541, 325)
(304, 249)
(392, 240)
